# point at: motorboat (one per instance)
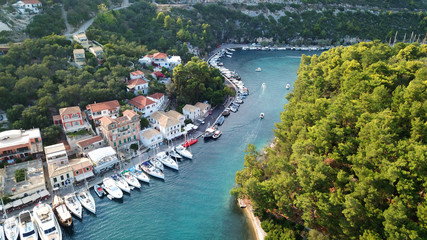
(220, 121)
(263, 84)
(99, 190)
(233, 108)
(61, 211)
(288, 86)
(130, 179)
(121, 183)
(111, 188)
(2, 237)
(46, 223)
(174, 154)
(167, 160)
(27, 227)
(11, 228)
(258, 70)
(156, 163)
(209, 133)
(184, 152)
(239, 100)
(226, 112)
(141, 176)
(87, 201)
(73, 204)
(261, 115)
(217, 134)
(151, 170)
(190, 142)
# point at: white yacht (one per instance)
(111, 188)
(28, 230)
(156, 163)
(130, 179)
(2, 237)
(174, 154)
(73, 205)
(167, 160)
(288, 86)
(258, 70)
(151, 170)
(184, 152)
(46, 223)
(121, 183)
(141, 176)
(87, 201)
(11, 228)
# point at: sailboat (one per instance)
(73, 204)
(87, 200)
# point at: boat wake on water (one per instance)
(252, 135)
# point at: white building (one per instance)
(143, 105)
(103, 159)
(161, 60)
(97, 51)
(56, 154)
(191, 112)
(82, 39)
(168, 126)
(151, 137)
(28, 6)
(136, 74)
(96, 111)
(159, 98)
(137, 85)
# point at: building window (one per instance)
(68, 175)
(77, 172)
(55, 180)
(120, 142)
(87, 169)
(114, 144)
(134, 136)
(62, 177)
(37, 140)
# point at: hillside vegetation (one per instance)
(350, 156)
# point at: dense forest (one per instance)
(206, 26)
(349, 160)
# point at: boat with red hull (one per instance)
(190, 142)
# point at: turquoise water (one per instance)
(195, 203)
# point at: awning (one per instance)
(44, 193)
(7, 206)
(34, 197)
(83, 176)
(17, 203)
(26, 200)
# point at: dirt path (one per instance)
(67, 25)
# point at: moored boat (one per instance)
(156, 163)
(141, 176)
(111, 188)
(27, 227)
(220, 121)
(184, 152)
(2, 237)
(151, 170)
(261, 115)
(130, 179)
(226, 112)
(190, 142)
(258, 70)
(288, 86)
(46, 223)
(174, 154)
(61, 211)
(73, 205)
(99, 190)
(87, 201)
(121, 183)
(217, 134)
(167, 160)
(209, 133)
(11, 228)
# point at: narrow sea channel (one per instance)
(195, 203)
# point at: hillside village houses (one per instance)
(71, 119)
(96, 110)
(79, 57)
(191, 112)
(87, 145)
(151, 138)
(167, 123)
(122, 131)
(82, 39)
(96, 51)
(160, 60)
(20, 144)
(28, 6)
(103, 159)
(143, 105)
(137, 86)
(136, 74)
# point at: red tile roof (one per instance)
(89, 141)
(160, 55)
(97, 107)
(130, 113)
(158, 74)
(134, 82)
(31, 2)
(140, 102)
(105, 121)
(136, 73)
(157, 95)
